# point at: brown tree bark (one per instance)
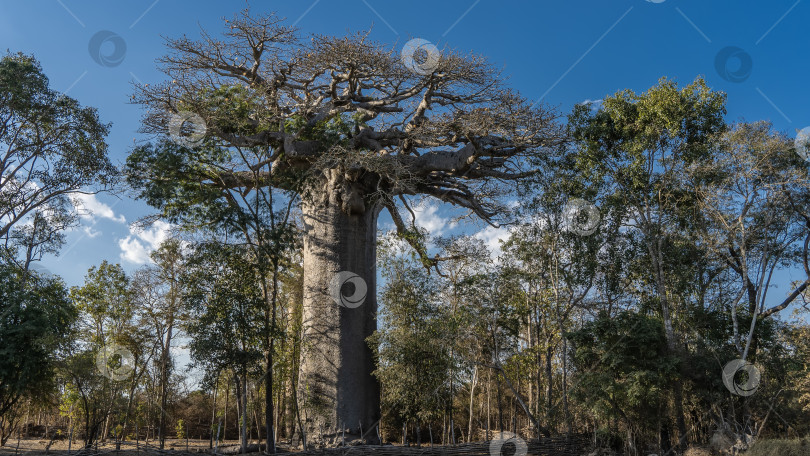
(164, 377)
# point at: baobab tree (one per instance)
(348, 127)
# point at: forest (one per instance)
(645, 287)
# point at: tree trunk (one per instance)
(241, 397)
(472, 396)
(568, 424)
(549, 377)
(268, 384)
(213, 414)
(270, 324)
(500, 403)
(164, 379)
(677, 384)
(105, 429)
(227, 396)
(337, 384)
(489, 409)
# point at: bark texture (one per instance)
(337, 384)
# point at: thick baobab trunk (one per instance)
(337, 385)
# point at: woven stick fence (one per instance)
(127, 447)
(555, 446)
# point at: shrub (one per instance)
(180, 429)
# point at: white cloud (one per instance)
(592, 103)
(492, 238)
(136, 247)
(92, 209)
(90, 232)
(427, 217)
(180, 351)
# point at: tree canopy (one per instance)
(51, 148)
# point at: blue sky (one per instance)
(563, 52)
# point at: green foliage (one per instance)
(226, 309)
(52, 146)
(236, 108)
(623, 367)
(35, 322)
(89, 394)
(68, 401)
(173, 178)
(412, 346)
(606, 439)
(183, 184)
(106, 299)
(80, 153)
(109, 320)
(334, 131)
(180, 429)
(633, 147)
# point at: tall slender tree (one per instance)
(634, 147)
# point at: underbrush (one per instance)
(780, 447)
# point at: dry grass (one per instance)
(697, 451)
(776, 447)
